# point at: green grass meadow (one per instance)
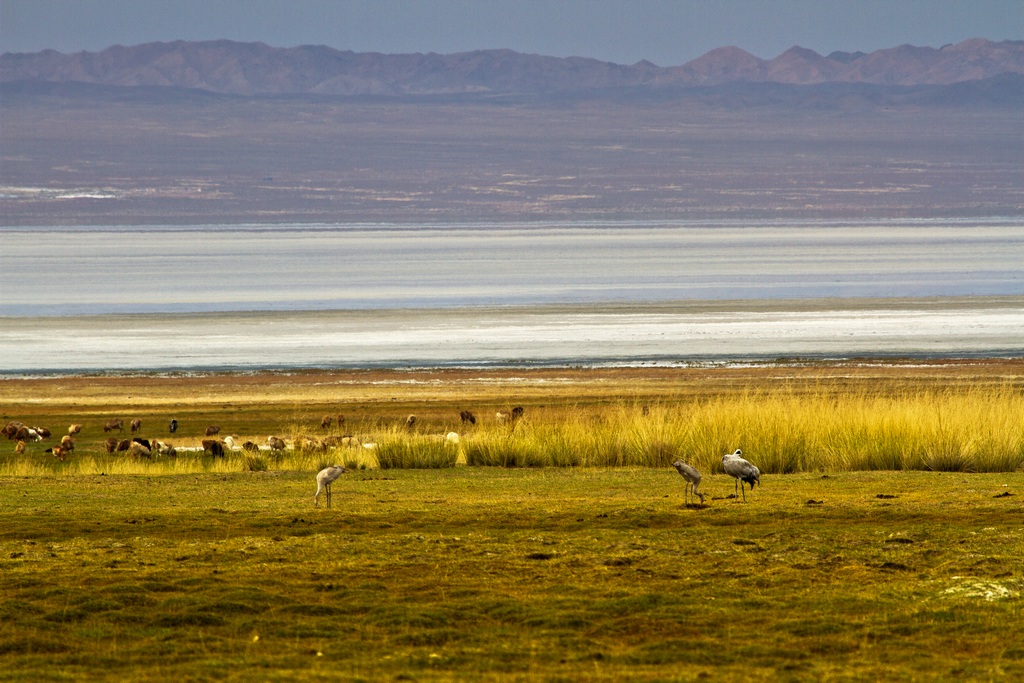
(885, 542)
(488, 573)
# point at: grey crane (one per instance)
(741, 470)
(692, 477)
(323, 482)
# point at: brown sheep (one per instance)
(509, 417)
(410, 422)
(275, 443)
(326, 422)
(117, 424)
(59, 452)
(212, 430)
(110, 444)
(10, 430)
(467, 417)
(123, 445)
(74, 429)
(136, 425)
(137, 450)
(67, 444)
(213, 447)
(20, 448)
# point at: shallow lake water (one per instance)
(127, 298)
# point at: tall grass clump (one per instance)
(505, 448)
(415, 452)
(781, 431)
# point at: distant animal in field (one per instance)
(510, 417)
(741, 470)
(138, 450)
(340, 421)
(67, 444)
(212, 430)
(136, 425)
(74, 429)
(10, 429)
(324, 478)
(164, 448)
(326, 422)
(307, 443)
(43, 432)
(19, 448)
(144, 442)
(275, 443)
(58, 452)
(410, 422)
(110, 444)
(173, 426)
(114, 424)
(692, 477)
(467, 417)
(123, 445)
(213, 447)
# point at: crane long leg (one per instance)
(328, 496)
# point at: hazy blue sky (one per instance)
(666, 32)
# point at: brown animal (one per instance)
(117, 424)
(123, 445)
(410, 422)
(59, 452)
(136, 425)
(43, 432)
(509, 417)
(340, 421)
(74, 429)
(275, 443)
(213, 447)
(10, 430)
(326, 422)
(305, 443)
(212, 430)
(20, 448)
(67, 444)
(110, 444)
(137, 450)
(467, 417)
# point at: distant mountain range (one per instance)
(232, 68)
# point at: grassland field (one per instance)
(202, 568)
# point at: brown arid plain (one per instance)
(449, 567)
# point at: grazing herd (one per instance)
(733, 464)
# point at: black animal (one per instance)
(467, 417)
(173, 426)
